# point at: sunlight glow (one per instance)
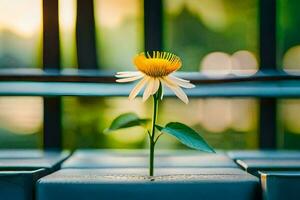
(112, 13)
(67, 15)
(67, 27)
(21, 17)
(21, 115)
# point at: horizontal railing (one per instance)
(102, 83)
(100, 76)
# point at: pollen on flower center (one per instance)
(160, 64)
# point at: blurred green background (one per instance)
(216, 37)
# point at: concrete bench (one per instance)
(19, 185)
(253, 166)
(129, 159)
(31, 159)
(20, 169)
(131, 183)
(280, 185)
(264, 154)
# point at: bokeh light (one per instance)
(217, 115)
(244, 63)
(219, 63)
(216, 63)
(291, 59)
(21, 115)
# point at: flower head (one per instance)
(153, 71)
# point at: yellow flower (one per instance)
(153, 70)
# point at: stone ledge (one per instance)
(264, 154)
(173, 183)
(135, 159)
(280, 185)
(253, 166)
(19, 185)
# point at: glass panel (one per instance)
(288, 35)
(21, 122)
(119, 32)
(213, 36)
(67, 27)
(20, 33)
(225, 123)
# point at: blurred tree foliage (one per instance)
(188, 35)
(288, 22)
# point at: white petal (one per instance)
(181, 82)
(175, 77)
(177, 90)
(130, 79)
(155, 86)
(181, 95)
(149, 89)
(138, 88)
(127, 74)
(170, 82)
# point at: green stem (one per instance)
(152, 138)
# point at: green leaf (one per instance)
(126, 120)
(187, 136)
(159, 127)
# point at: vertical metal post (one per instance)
(51, 61)
(52, 123)
(153, 20)
(85, 35)
(268, 106)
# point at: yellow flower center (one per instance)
(160, 64)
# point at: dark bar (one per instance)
(52, 123)
(268, 127)
(85, 35)
(268, 35)
(153, 20)
(51, 50)
(51, 60)
(98, 76)
(267, 123)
